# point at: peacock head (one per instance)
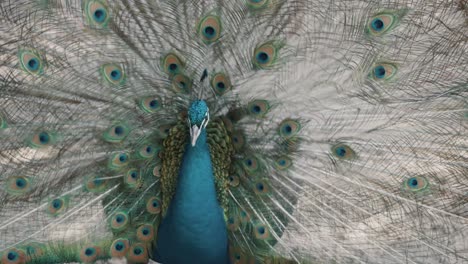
(198, 117)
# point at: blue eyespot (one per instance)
(413, 183)
(263, 57)
(340, 151)
(119, 246)
(377, 24)
(173, 67)
(89, 251)
(209, 29)
(123, 157)
(21, 183)
(209, 32)
(119, 219)
(100, 15)
(33, 64)
(115, 75)
(149, 149)
(287, 129)
(384, 71)
(98, 182)
(220, 85)
(379, 72)
(57, 203)
(137, 251)
(44, 137)
(154, 104)
(261, 230)
(119, 130)
(12, 256)
(416, 184)
(260, 187)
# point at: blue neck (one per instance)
(194, 230)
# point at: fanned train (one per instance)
(233, 132)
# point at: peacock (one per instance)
(233, 131)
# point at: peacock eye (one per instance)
(89, 251)
(96, 13)
(113, 74)
(172, 64)
(89, 254)
(145, 233)
(120, 221)
(258, 108)
(283, 163)
(56, 206)
(382, 23)
(118, 161)
(12, 256)
(220, 83)
(265, 55)
(415, 184)
(150, 104)
(138, 253)
(289, 128)
(342, 151)
(209, 29)
(44, 138)
(383, 71)
(209, 32)
(100, 15)
(18, 185)
(31, 62)
(261, 187)
(377, 24)
(147, 150)
(181, 84)
(153, 205)
(119, 247)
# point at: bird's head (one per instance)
(198, 117)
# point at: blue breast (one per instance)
(194, 230)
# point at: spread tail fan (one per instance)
(243, 131)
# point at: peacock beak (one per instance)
(195, 130)
(194, 134)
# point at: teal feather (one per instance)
(184, 227)
(242, 131)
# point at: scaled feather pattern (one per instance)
(231, 132)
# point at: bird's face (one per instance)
(198, 117)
